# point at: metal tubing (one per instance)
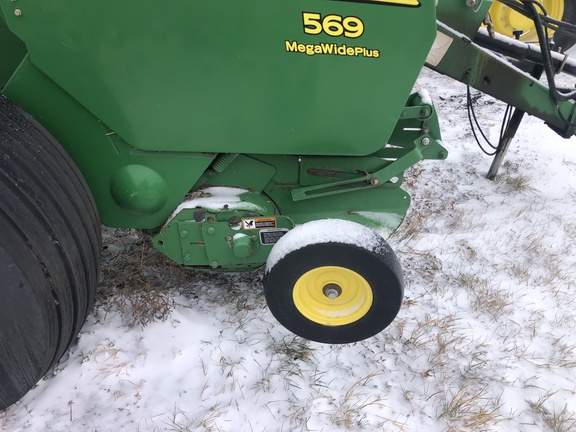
(510, 132)
(522, 51)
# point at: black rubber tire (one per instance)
(380, 269)
(564, 40)
(49, 252)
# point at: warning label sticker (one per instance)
(272, 236)
(258, 223)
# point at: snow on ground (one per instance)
(485, 339)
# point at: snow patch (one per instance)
(425, 96)
(216, 198)
(387, 222)
(323, 231)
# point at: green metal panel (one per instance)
(229, 76)
(221, 238)
(364, 189)
(132, 188)
(462, 15)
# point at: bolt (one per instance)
(228, 238)
(184, 234)
(187, 257)
(234, 220)
(471, 3)
(17, 12)
(211, 230)
(425, 112)
(332, 291)
(374, 181)
(425, 141)
(214, 264)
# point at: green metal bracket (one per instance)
(415, 137)
(234, 232)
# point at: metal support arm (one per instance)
(455, 55)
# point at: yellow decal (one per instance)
(331, 49)
(332, 25)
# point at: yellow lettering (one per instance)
(291, 46)
(327, 48)
(334, 25)
(330, 49)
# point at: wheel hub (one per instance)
(332, 295)
(506, 20)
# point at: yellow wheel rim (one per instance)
(332, 296)
(506, 20)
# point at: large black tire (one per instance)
(564, 40)
(349, 294)
(50, 245)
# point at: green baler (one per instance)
(242, 134)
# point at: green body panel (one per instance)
(132, 188)
(227, 76)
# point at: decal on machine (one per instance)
(258, 223)
(331, 25)
(272, 236)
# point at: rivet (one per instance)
(214, 264)
(211, 230)
(184, 234)
(187, 257)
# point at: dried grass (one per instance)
(136, 279)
